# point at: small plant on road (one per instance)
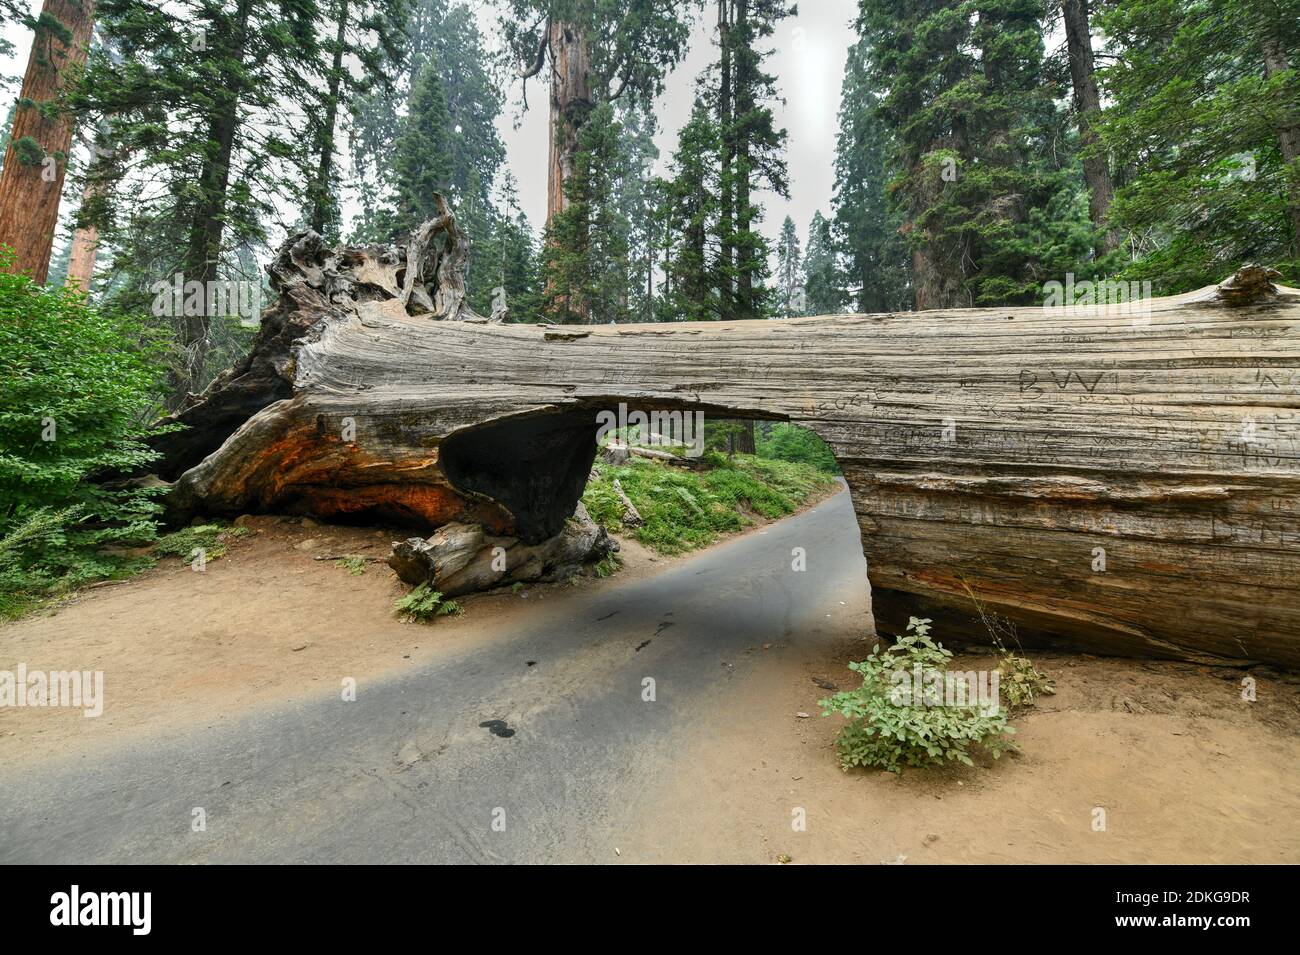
(354, 564)
(904, 712)
(424, 604)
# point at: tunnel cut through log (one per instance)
(1126, 482)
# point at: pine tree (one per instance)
(694, 282)
(370, 34)
(208, 144)
(867, 226)
(752, 143)
(422, 156)
(990, 203)
(789, 272)
(822, 279)
(1205, 122)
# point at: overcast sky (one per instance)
(808, 57)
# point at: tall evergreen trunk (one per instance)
(1288, 136)
(85, 244)
(939, 264)
(207, 227)
(36, 160)
(1087, 106)
(571, 104)
(744, 66)
(726, 170)
(322, 198)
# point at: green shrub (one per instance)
(424, 603)
(889, 726)
(79, 386)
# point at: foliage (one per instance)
(1198, 109)
(791, 442)
(424, 604)
(685, 509)
(1021, 681)
(78, 383)
(353, 564)
(608, 566)
(211, 539)
(888, 729)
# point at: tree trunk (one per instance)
(1123, 481)
(1288, 135)
(85, 245)
(571, 104)
(745, 263)
(726, 167)
(203, 256)
(1087, 107)
(31, 183)
(323, 214)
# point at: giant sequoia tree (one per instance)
(36, 157)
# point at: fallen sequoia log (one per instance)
(1122, 480)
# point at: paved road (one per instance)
(407, 774)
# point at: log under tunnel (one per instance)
(988, 452)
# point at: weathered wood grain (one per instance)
(997, 449)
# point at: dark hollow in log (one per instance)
(535, 466)
(1124, 481)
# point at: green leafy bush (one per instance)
(891, 726)
(80, 384)
(424, 604)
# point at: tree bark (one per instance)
(85, 245)
(726, 166)
(1087, 107)
(1125, 482)
(571, 104)
(1288, 135)
(745, 262)
(31, 185)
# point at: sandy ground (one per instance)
(1184, 769)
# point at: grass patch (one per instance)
(212, 539)
(684, 510)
